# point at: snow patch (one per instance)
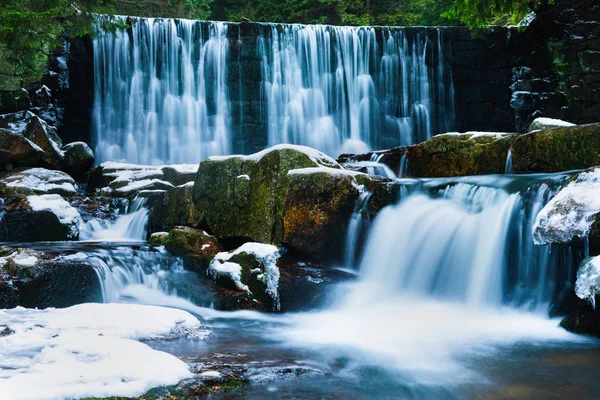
(314, 155)
(330, 171)
(42, 180)
(475, 134)
(229, 270)
(89, 350)
(553, 122)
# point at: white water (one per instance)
(164, 89)
(131, 226)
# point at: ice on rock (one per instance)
(588, 279)
(89, 350)
(571, 212)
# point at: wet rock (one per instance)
(317, 209)
(556, 150)
(243, 196)
(78, 158)
(459, 154)
(541, 124)
(175, 208)
(28, 181)
(38, 218)
(17, 150)
(583, 318)
(573, 213)
(45, 136)
(196, 247)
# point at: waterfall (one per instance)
(178, 91)
(467, 241)
(161, 92)
(334, 89)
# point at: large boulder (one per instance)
(16, 122)
(573, 213)
(38, 218)
(556, 150)
(459, 154)
(243, 196)
(174, 208)
(78, 159)
(28, 181)
(35, 279)
(196, 247)
(318, 206)
(17, 150)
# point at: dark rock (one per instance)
(20, 223)
(45, 136)
(17, 150)
(78, 158)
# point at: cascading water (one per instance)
(178, 91)
(161, 92)
(329, 87)
(127, 227)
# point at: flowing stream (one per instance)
(452, 296)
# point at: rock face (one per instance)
(78, 159)
(29, 181)
(456, 154)
(243, 196)
(559, 149)
(573, 213)
(38, 218)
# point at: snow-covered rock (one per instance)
(37, 181)
(571, 212)
(90, 350)
(66, 214)
(540, 124)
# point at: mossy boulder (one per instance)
(174, 208)
(243, 196)
(556, 150)
(459, 154)
(196, 247)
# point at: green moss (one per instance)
(557, 150)
(459, 155)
